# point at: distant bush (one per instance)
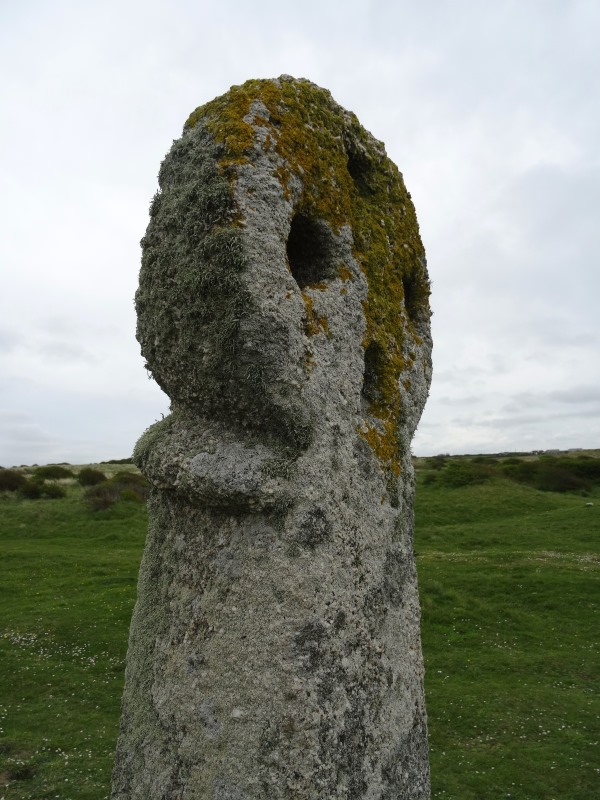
(135, 479)
(585, 467)
(11, 480)
(464, 473)
(122, 486)
(90, 477)
(436, 462)
(52, 473)
(548, 473)
(101, 496)
(31, 490)
(484, 460)
(554, 474)
(36, 489)
(53, 491)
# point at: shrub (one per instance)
(134, 482)
(484, 460)
(584, 467)
(53, 491)
(11, 480)
(551, 474)
(52, 472)
(122, 486)
(101, 496)
(464, 473)
(35, 489)
(90, 477)
(131, 495)
(31, 490)
(437, 462)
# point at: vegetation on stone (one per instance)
(348, 180)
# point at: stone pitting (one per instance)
(283, 305)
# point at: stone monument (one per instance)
(274, 650)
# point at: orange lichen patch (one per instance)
(382, 439)
(313, 323)
(322, 286)
(345, 273)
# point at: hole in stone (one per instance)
(360, 168)
(415, 294)
(310, 251)
(374, 365)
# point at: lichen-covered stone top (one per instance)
(333, 177)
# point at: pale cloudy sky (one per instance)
(490, 109)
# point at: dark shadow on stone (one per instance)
(360, 169)
(374, 364)
(410, 295)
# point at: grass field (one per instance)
(510, 592)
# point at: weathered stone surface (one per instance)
(283, 306)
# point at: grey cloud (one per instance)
(461, 400)
(514, 421)
(9, 340)
(22, 440)
(66, 352)
(578, 394)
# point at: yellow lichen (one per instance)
(313, 323)
(345, 273)
(347, 180)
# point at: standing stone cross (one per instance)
(283, 306)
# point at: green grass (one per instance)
(67, 588)
(510, 590)
(509, 580)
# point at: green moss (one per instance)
(347, 180)
(150, 438)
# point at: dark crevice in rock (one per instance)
(310, 251)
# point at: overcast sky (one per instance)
(490, 110)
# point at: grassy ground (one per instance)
(510, 593)
(509, 587)
(67, 586)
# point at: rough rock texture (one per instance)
(283, 306)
